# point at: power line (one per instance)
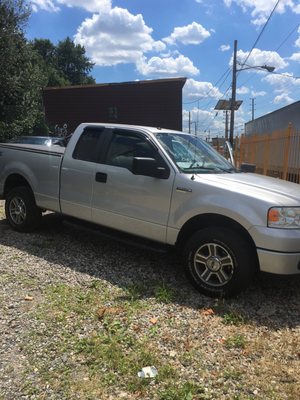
(285, 75)
(288, 36)
(281, 44)
(242, 64)
(212, 88)
(261, 32)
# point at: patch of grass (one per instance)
(188, 358)
(26, 281)
(185, 391)
(163, 293)
(236, 341)
(111, 357)
(233, 318)
(233, 375)
(133, 292)
(64, 299)
(90, 362)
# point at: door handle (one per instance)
(101, 177)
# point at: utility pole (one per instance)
(233, 94)
(232, 104)
(226, 124)
(252, 107)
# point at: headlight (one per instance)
(284, 217)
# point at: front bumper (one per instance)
(279, 263)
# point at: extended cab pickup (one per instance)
(166, 186)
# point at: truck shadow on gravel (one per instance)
(271, 301)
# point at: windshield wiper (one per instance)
(199, 167)
(213, 169)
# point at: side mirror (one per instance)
(246, 167)
(148, 167)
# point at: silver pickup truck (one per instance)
(165, 186)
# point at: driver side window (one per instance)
(127, 145)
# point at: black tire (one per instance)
(220, 262)
(21, 210)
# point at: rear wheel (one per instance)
(219, 262)
(21, 210)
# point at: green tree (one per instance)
(46, 52)
(72, 62)
(20, 75)
(64, 64)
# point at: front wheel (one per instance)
(219, 262)
(21, 210)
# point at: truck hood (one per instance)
(271, 190)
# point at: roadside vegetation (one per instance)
(82, 315)
(28, 66)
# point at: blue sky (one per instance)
(149, 39)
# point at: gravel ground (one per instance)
(62, 290)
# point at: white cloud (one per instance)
(295, 57)
(204, 123)
(284, 85)
(283, 98)
(258, 94)
(116, 36)
(210, 123)
(224, 47)
(199, 90)
(297, 43)
(193, 33)
(89, 5)
(261, 9)
(168, 66)
(282, 81)
(47, 5)
(261, 57)
(242, 90)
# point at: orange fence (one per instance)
(276, 154)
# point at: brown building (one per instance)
(153, 103)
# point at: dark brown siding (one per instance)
(153, 103)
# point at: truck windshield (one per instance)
(192, 154)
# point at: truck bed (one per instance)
(31, 160)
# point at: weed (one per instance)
(233, 318)
(163, 293)
(153, 331)
(233, 374)
(134, 292)
(187, 391)
(236, 341)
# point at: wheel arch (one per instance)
(209, 220)
(13, 181)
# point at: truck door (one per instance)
(78, 172)
(132, 203)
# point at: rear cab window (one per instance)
(88, 145)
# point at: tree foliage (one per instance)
(20, 76)
(27, 67)
(64, 64)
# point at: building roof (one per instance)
(181, 80)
